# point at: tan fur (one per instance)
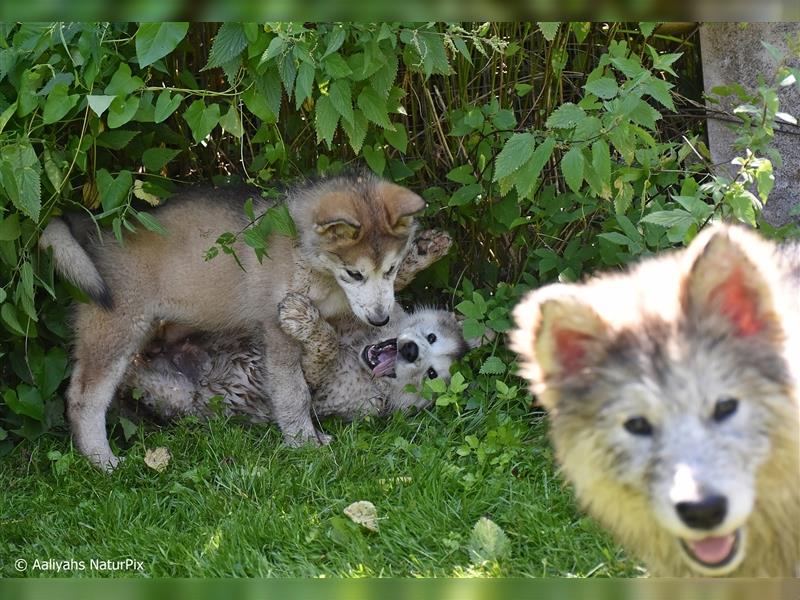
(153, 277)
(666, 320)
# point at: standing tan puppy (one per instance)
(673, 397)
(353, 232)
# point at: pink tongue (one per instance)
(385, 362)
(713, 550)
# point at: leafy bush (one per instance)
(542, 148)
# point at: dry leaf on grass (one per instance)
(157, 458)
(364, 513)
(488, 542)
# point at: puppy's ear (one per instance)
(335, 218)
(339, 229)
(401, 205)
(726, 290)
(558, 336)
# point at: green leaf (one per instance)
(154, 159)
(472, 328)
(25, 401)
(601, 162)
(335, 40)
(470, 309)
(465, 194)
(20, 175)
(231, 123)
(430, 46)
(566, 116)
(605, 87)
(336, 66)
(647, 28)
(374, 107)
(375, 158)
(166, 105)
(277, 46)
(397, 138)
(326, 119)
(669, 218)
(341, 98)
(515, 153)
(113, 191)
(9, 228)
(659, 90)
(228, 45)
(150, 223)
(572, 164)
(121, 111)
(493, 366)
(540, 157)
(357, 131)
(765, 180)
(6, 115)
(382, 80)
(462, 174)
(99, 104)
(116, 139)
(549, 30)
(58, 104)
(9, 316)
(303, 84)
(27, 100)
(201, 119)
(156, 40)
(122, 83)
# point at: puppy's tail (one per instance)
(74, 263)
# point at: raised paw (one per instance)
(297, 316)
(431, 245)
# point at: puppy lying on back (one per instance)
(673, 397)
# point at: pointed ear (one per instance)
(558, 335)
(726, 289)
(335, 218)
(339, 229)
(401, 206)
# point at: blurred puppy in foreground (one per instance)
(672, 391)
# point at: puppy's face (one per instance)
(672, 407)
(364, 231)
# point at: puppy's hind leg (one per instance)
(105, 344)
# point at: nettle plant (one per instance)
(540, 147)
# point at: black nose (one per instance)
(409, 351)
(379, 323)
(705, 514)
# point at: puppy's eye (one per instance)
(724, 408)
(432, 374)
(389, 272)
(356, 275)
(638, 426)
(431, 338)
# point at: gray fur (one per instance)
(230, 367)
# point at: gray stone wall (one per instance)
(733, 53)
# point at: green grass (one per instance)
(235, 502)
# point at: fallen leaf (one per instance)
(157, 458)
(364, 513)
(387, 484)
(488, 542)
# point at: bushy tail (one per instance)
(74, 263)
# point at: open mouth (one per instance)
(714, 552)
(380, 357)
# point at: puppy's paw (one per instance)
(297, 315)
(428, 247)
(313, 438)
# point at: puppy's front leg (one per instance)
(300, 319)
(428, 247)
(287, 390)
